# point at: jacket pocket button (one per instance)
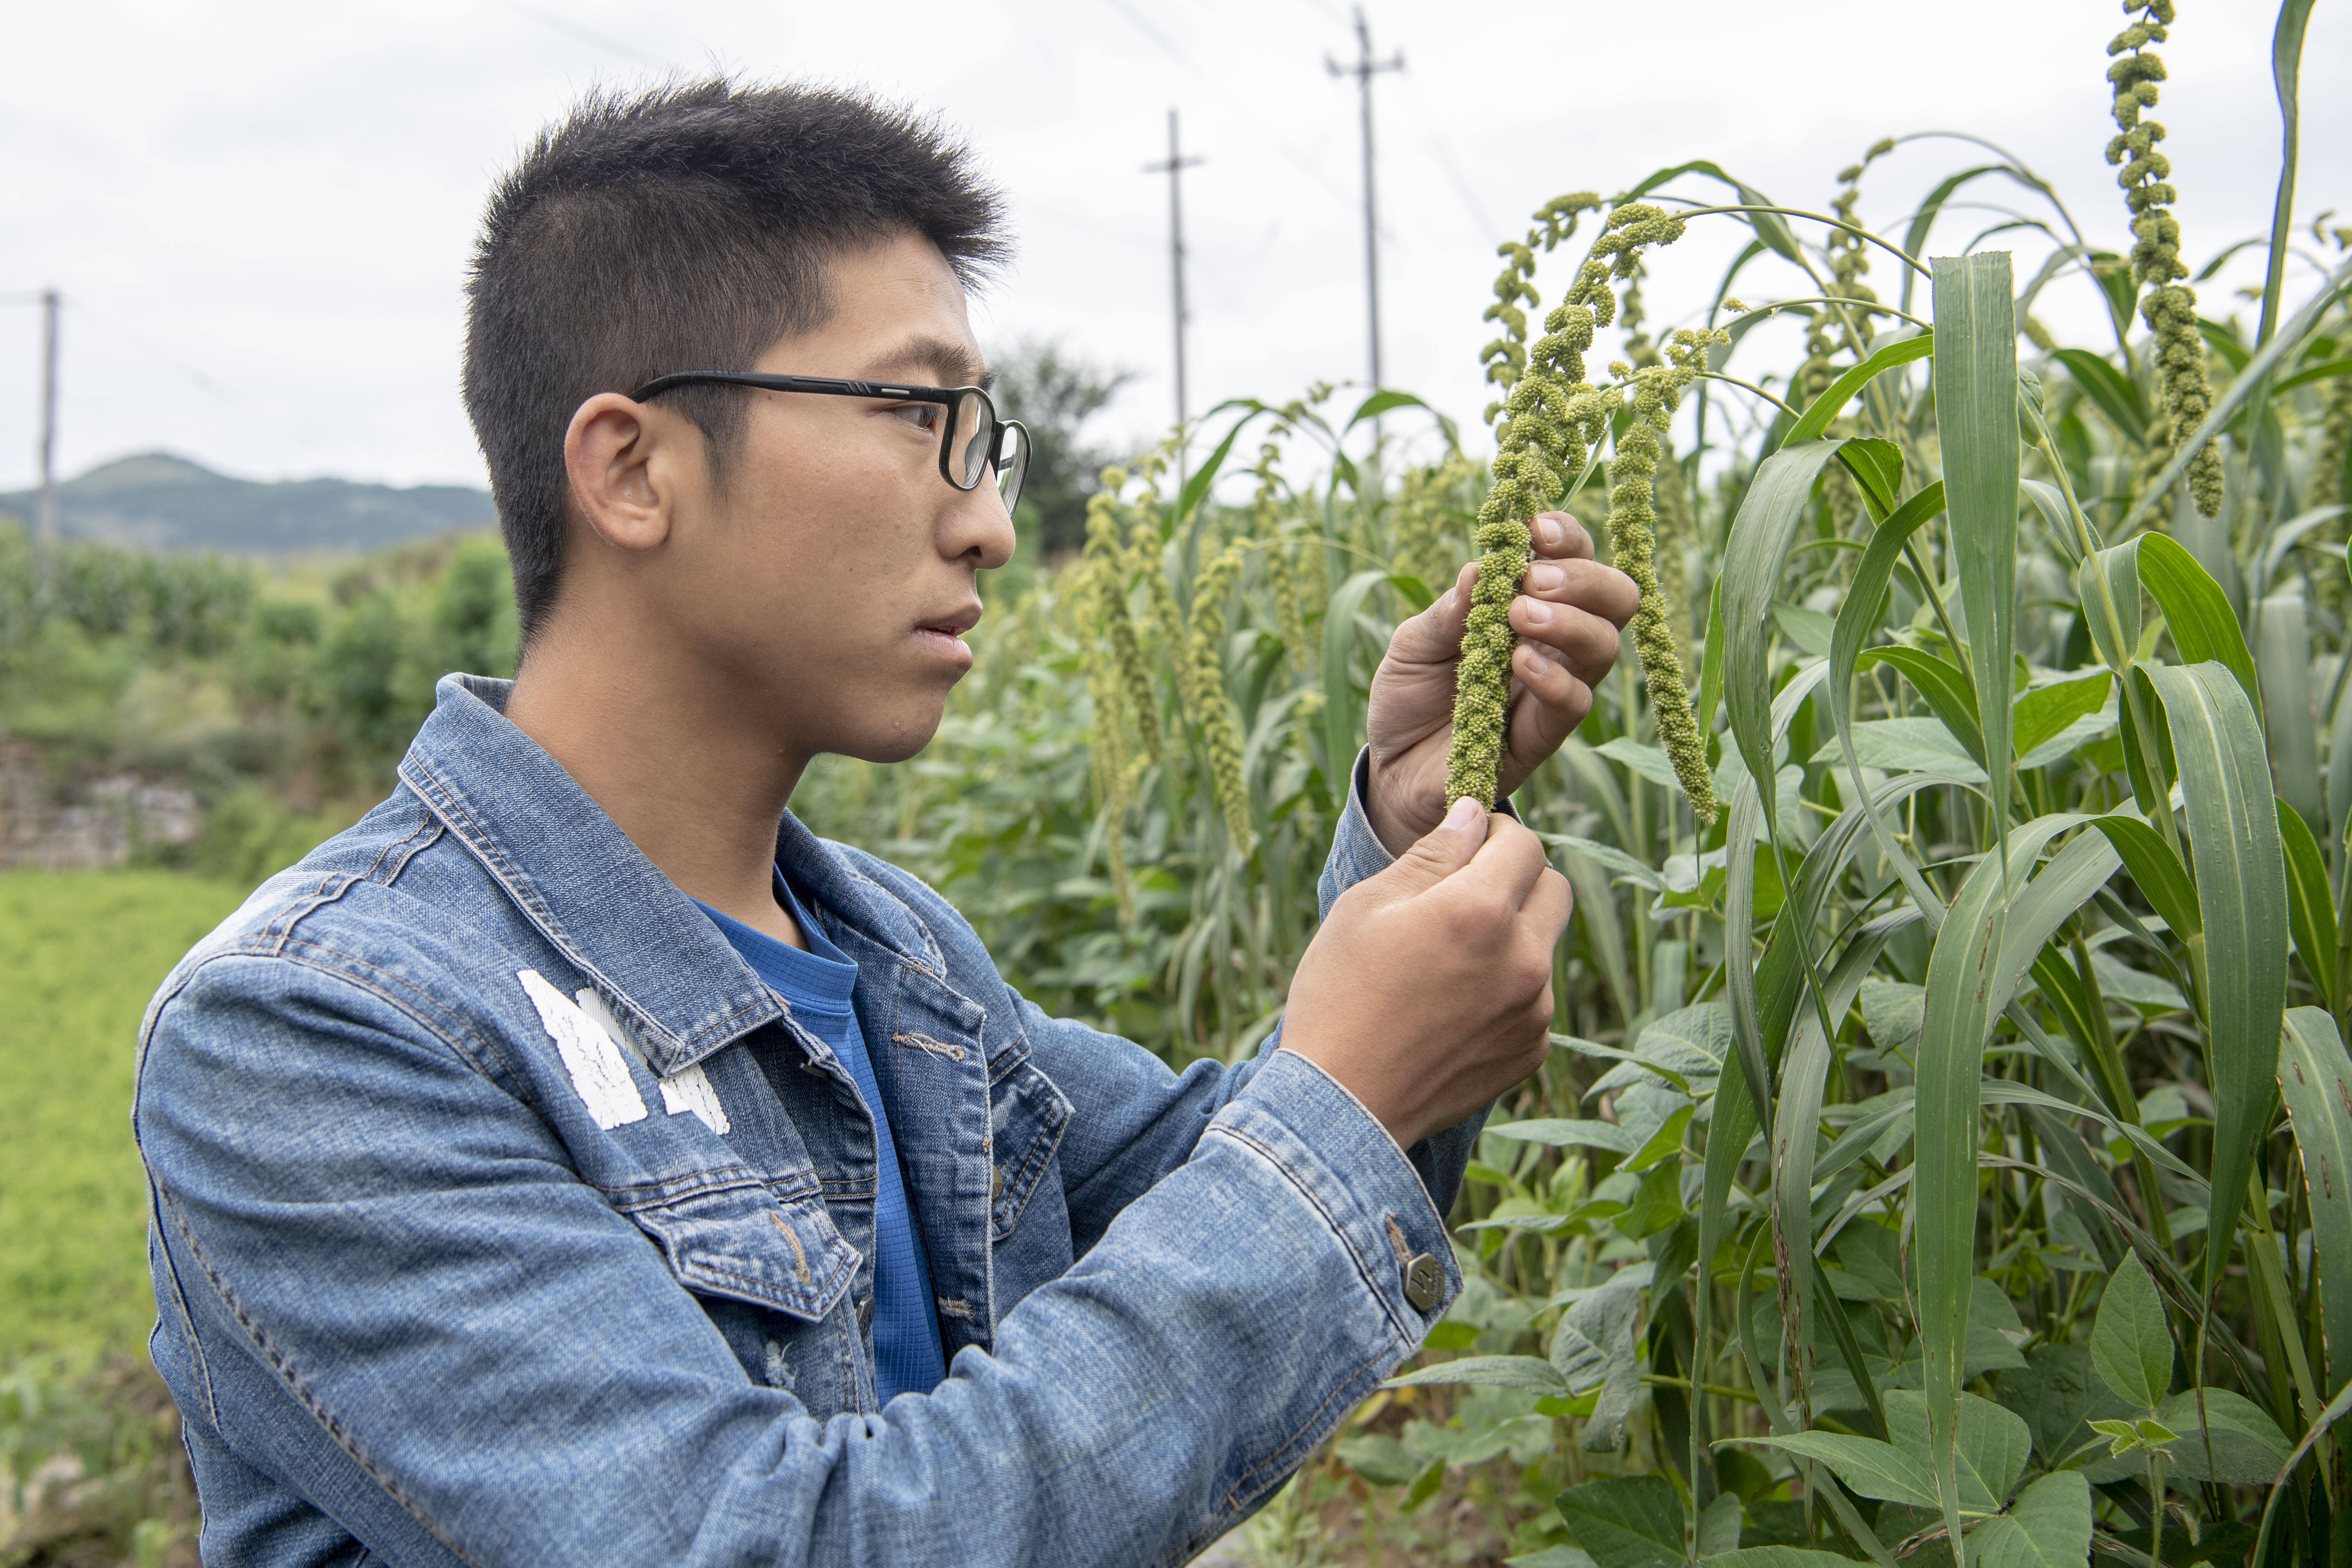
(865, 1314)
(995, 1183)
(1425, 1281)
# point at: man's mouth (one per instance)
(946, 633)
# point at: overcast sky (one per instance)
(259, 213)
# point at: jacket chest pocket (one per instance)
(1026, 1115)
(741, 1241)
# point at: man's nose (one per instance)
(978, 528)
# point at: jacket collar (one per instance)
(652, 954)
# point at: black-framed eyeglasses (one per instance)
(972, 439)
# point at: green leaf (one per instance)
(1626, 1521)
(2130, 1344)
(1666, 1143)
(2049, 1526)
(2286, 69)
(2110, 391)
(1889, 352)
(1770, 227)
(1561, 1134)
(1487, 1372)
(1753, 556)
(2037, 910)
(2237, 1443)
(2162, 878)
(1656, 1205)
(1873, 1468)
(1595, 1346)
(1909, 746)
(1777, 1557)
(1961, 972)
(2290, 724)
(1946, 687)
(2241, 895)
(2310, 907)
(1976, 421)
(1198, 485)
(2107, 586)
(2046, 710)
(2196, 610)
(1342, 714)
(2328, 370)
(2316, 1076)
(1877, 467)
(1994, 1445)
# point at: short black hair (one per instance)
(684, 228)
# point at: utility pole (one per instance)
(1363, 70)
(1174, 169)
(47, 450)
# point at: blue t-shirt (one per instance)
(816, 984)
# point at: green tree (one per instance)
(1054, 392)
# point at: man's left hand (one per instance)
(1568, 613)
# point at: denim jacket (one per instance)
(500, 1215)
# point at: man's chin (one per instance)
(894, 744)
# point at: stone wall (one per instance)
(85, 823)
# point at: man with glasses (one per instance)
(579, 1160)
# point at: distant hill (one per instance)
(157, 501)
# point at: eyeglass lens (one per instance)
(1011, 464)
(968, 451)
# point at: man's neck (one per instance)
(668, 753)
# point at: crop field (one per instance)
(1943, 1157)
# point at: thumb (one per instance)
(1443, 850)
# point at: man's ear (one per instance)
(620, 455)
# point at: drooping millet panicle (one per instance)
(1552, 420)
(1530, 424)
(1102, 598)
(1204, 658)
(1265, 528)
(2169, 306)
(1423, 543)
(1657, 391)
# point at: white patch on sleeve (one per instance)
(599, 1073)
(688, 1090)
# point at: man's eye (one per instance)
(921, 415)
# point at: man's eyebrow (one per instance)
(951, 363)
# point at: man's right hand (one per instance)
(1428, 990)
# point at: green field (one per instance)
(80, 953)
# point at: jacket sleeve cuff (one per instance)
(1357, 851)
(1301, 1119)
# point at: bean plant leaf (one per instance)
(1776, 1557)
(1626, 1521)
(2049, 1526)
(2316, 1076)
(1596, 1345)
(1867, 1466)
(2234, 1441)
(1487, 1372)
(2241, 895)
(1561, 1134)
(2130, 1346)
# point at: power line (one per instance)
(1167, 47)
